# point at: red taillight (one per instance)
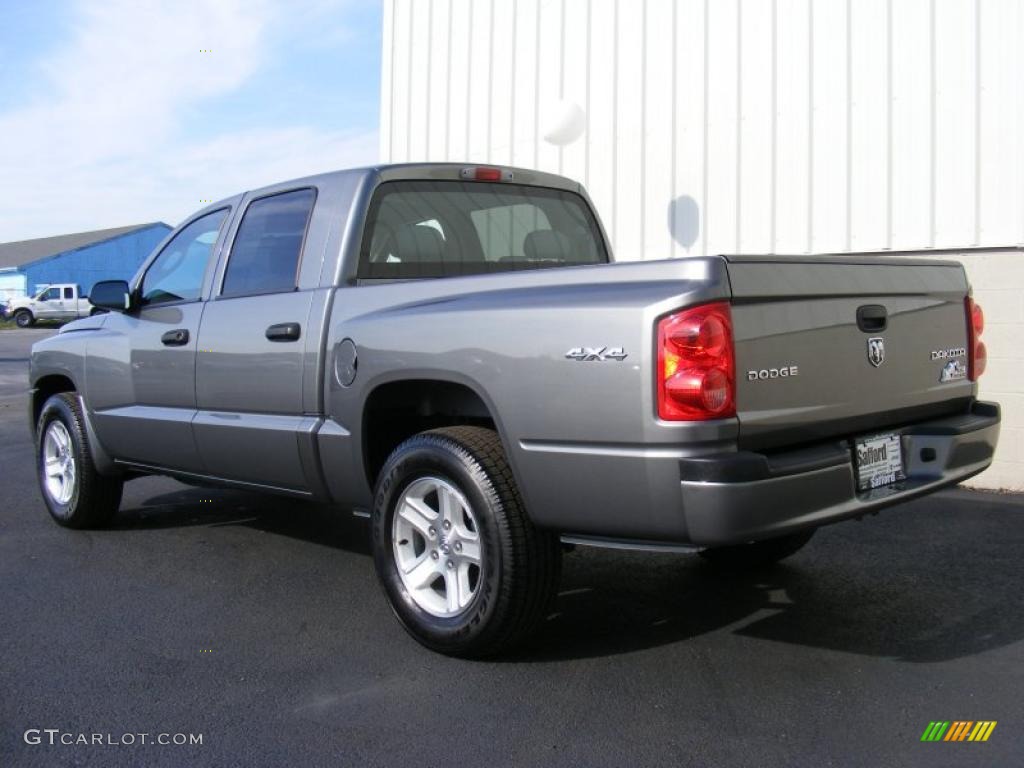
(977, 318)
(977, 355)
(696, 365)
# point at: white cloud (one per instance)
(102, 144)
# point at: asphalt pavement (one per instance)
(257, 624)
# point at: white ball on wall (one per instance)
(566, 122)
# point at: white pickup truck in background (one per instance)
(63, 301)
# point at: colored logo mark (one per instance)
(958, 730)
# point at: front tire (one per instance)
(24, 319)
(757, 554)
(76, 495)
(464, 569)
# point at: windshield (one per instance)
(447, 228)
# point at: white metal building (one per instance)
(752, 126)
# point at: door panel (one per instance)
(142, 374)
(249, 371)
(143, 391)
(270, 456)
(249, 389)
(49, 307)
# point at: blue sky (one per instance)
(112, 113)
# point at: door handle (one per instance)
(284, 332)
(175, 338)
(872, 318)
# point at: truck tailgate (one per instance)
(809, 368)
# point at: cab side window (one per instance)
(69, 293)
(265, 255)
(177, 273)
(52, 295)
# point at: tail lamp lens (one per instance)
(977, 355)
(980, 360)
(696, 364)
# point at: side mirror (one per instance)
(112, 294)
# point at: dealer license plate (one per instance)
(879, 461)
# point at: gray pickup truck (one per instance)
(450, 351)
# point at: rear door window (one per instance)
(69, 293)
(446, 228)
(265, 254)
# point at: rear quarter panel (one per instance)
(563, 421)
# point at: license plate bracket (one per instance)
(878, 460)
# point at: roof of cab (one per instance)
(400, 172)
(430, 171)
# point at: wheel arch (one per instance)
(52, 384)
(46, 387)
(399, 408)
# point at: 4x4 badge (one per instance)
(876, 351)
(596, 353)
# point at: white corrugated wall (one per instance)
(754, 126)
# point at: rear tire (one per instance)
(460, 511)
(24, 319)
(76, 495)
(757, 554)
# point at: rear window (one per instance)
(448, 228)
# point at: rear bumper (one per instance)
(742, 496)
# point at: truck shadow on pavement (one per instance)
(933, 580)
(306, 521)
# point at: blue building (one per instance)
(83, 258)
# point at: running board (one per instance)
(632, 545)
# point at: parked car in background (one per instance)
(63, 301)
(449, 352)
